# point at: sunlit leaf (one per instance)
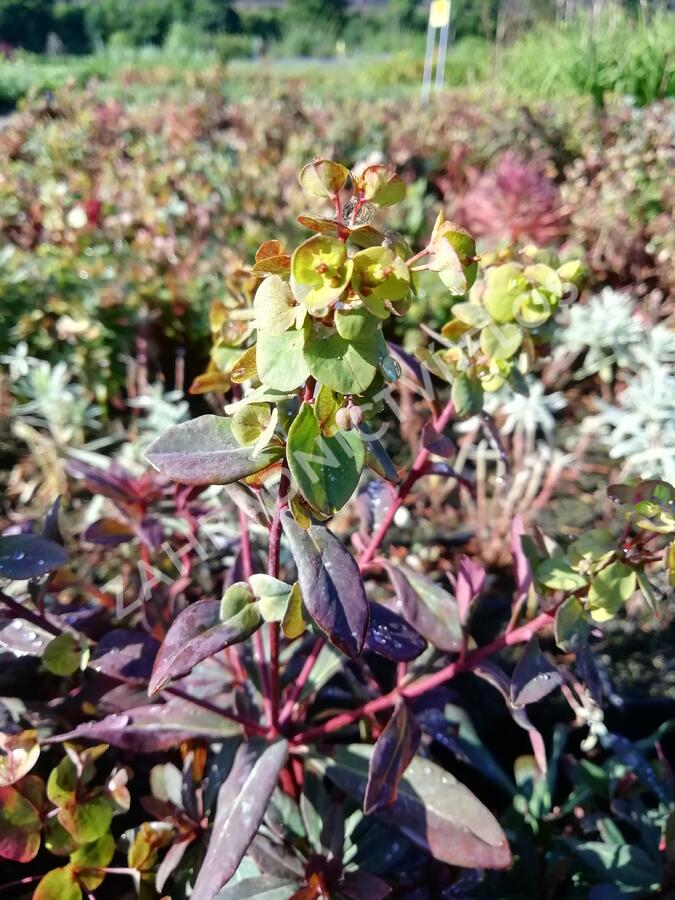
(241, 805)
(204, 451)
(331, 585)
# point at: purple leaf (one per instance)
(115, 483)
(24, 556)
(204, 451)
(125, 654)
(331, 585)
(241, 805)
(23, 638)
(260, 887)
(155, 727)
(470, 583)
(50, 528)
(196, 635)
(109, 532)
(430, 610)
(497, 677)
(432, 808)
(534, 677)
(521, 564)
(357, 885)
(390, 636)
(395, 747)
(171, 860)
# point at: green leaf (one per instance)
(380, 275)
(503, 286)
(63, 655)
(571, 624)
(249, 422)
(320, 272)
(326, 470)
(62, 782)
(355, 324)
(87, 820)
(558, 574)
(96, 855)
(596, 545)
(467, 395)
(610, 589)
(280, 361)
(500, 342)
(59, 884)
(432, 808)
(381, 185)
(235, 599)
(204, 451)
(274, 306)
(345, 367)
(323, 178)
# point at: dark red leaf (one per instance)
(470, 582)
(426, 606)
(155, 727)
(395, 747)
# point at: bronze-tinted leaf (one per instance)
(432, 808)
(204, 451)
(426, 606)
(331, 585)
(241, 805)
(196, 635)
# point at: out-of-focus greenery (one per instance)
(613, 54)
(118, 212)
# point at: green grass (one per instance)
(619, 55)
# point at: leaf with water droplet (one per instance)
(24, 556)
(442, 816)
(534, 677)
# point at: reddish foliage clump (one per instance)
(513, 201)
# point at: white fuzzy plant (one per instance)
(611, 334)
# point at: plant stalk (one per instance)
(428, 682)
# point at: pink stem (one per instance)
(301, 681)
(275, 628)
(404, 489)
(422, 685)
(211, 707)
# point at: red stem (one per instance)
(416, 472)
(258, 646)
(248, 724)
(427, 683)
(301, 680)
(275, 628)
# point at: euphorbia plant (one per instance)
(301, 433)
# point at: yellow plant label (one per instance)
(439, 13)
